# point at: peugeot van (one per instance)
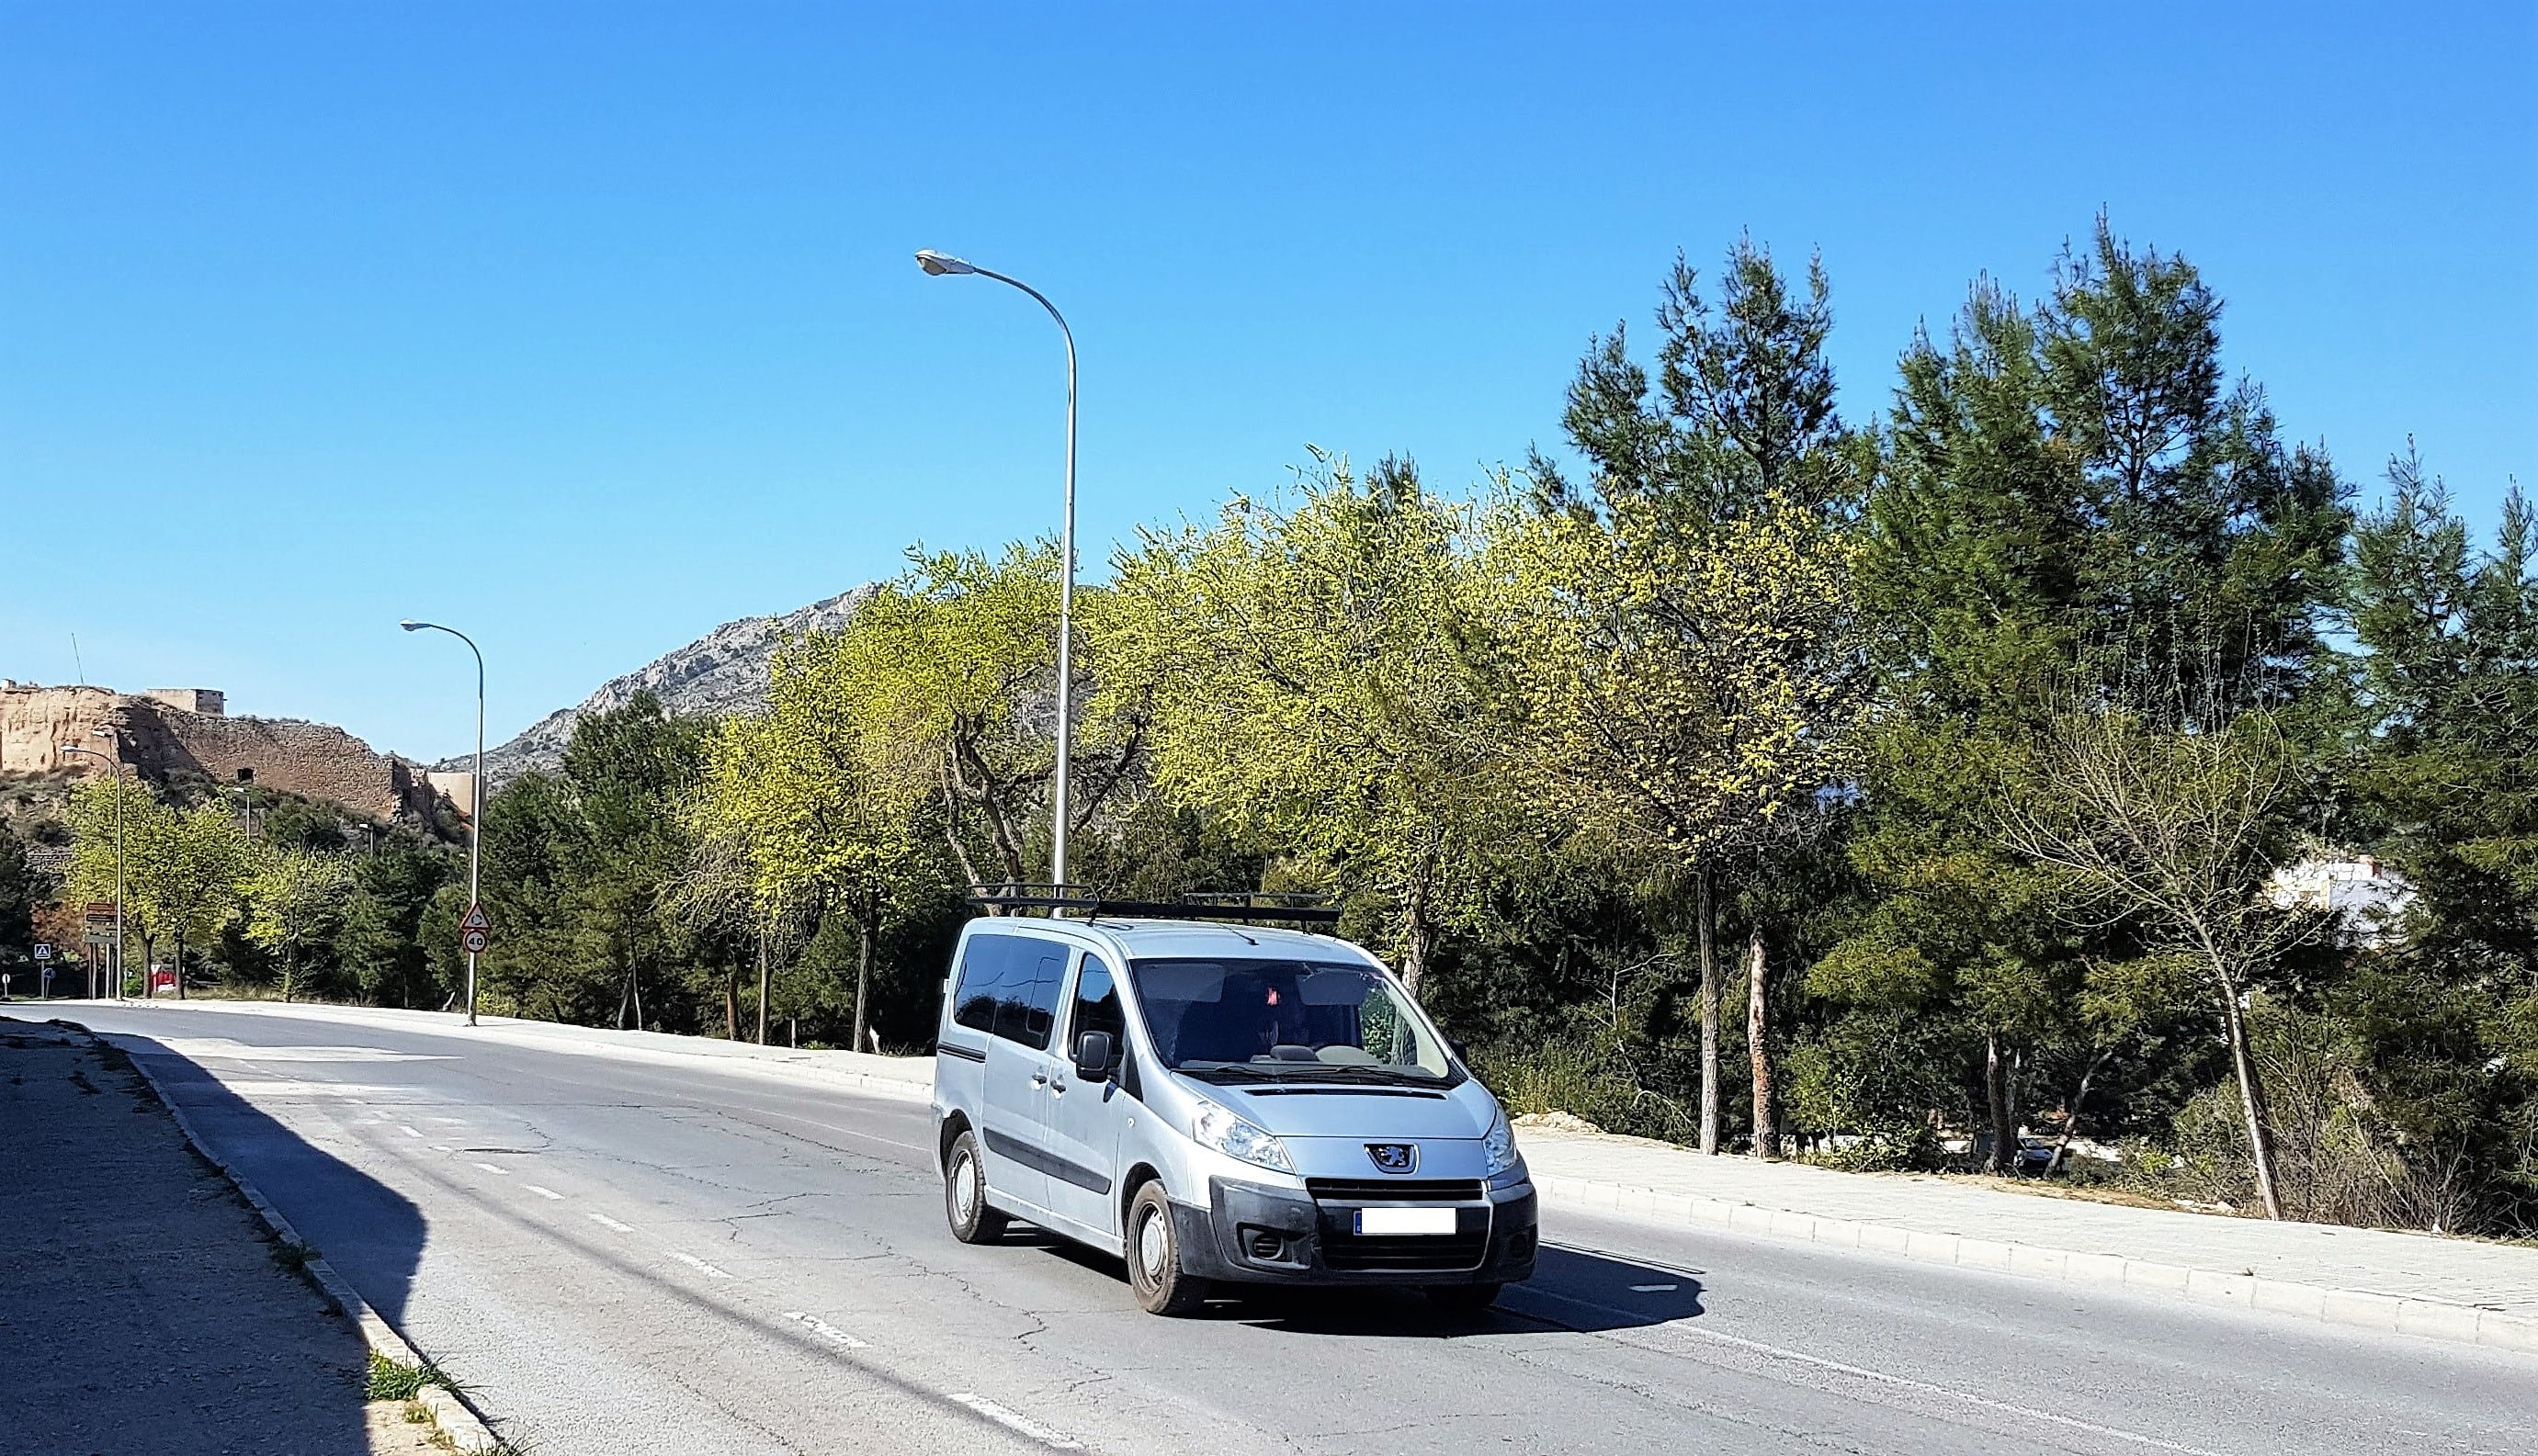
(1220, 1103)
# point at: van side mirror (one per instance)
(1456, 1048)
(1092, 1056)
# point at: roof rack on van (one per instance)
(1248, 906)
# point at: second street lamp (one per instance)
(475, 793)
(942, 265)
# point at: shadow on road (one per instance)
(1575, 1289)
(371, 1233)
(144, 1308)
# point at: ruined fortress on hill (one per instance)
(173, 733)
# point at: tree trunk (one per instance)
(762, 983)
(2071, 1114)
(730, 1002)
(1767, 1134)
(863, 973)
(2252, 1096)
(180, 966)
(1707, 915)
(2004, 1131)
(1416, 938)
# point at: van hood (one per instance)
(1309, 1111)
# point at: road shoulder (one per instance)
(148, 1306)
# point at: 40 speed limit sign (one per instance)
(475, 930)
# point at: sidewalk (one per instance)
(142, 1307)
(2418, 1283)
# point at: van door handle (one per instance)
(1057, 1087)
(1040, 1078)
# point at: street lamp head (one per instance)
(940, 264)
(414, 626)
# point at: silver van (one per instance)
(1219, 1102)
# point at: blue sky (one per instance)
(589, 326)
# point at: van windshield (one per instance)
(1284, 1020)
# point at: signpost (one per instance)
(96, 932)
(475, 930)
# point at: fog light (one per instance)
(1267, 1245)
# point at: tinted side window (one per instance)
(1097, 1009)
(982, 985)
(1026, 1008)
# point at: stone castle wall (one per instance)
(162, 741)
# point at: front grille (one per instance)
(1397, 1190)
(1406, 1253)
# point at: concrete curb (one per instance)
(2356, 1308)
(451, 1415)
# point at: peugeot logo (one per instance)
(1394, 1158)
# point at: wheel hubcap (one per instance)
(964, 1188)
(1152, 1250)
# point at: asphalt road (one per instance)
(623, 1257)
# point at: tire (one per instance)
(965, 1194)
(1155, 1257)
(1464, 1300)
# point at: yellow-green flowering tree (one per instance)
(292, 892)
(1683, 694)
(1313, 687)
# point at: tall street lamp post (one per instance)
(114, 962)
(475, 793)
(940, 265)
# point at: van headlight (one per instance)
(1499, 1148)
(1235, 1138)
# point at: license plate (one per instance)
(1405, 1221)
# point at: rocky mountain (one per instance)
(722, 671)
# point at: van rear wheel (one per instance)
(1155, 1257)
(965, 1194)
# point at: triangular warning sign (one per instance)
(476, 919)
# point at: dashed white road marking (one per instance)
(500, 1172)
(411, 1132)
(436, 1147)
(1015, 1421)
(699, 1265)
(541, 1190)
(605, 1221)
(827, 1331)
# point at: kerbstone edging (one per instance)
(2359, 1309)
(464, 1427)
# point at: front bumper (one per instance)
(1249, 1233)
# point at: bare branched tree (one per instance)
(2172, 830)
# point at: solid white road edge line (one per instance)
(1881, 1377)
(1015, 1421)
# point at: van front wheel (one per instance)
(1155, 1257)
(965, 1194)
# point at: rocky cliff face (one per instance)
(722, 671)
